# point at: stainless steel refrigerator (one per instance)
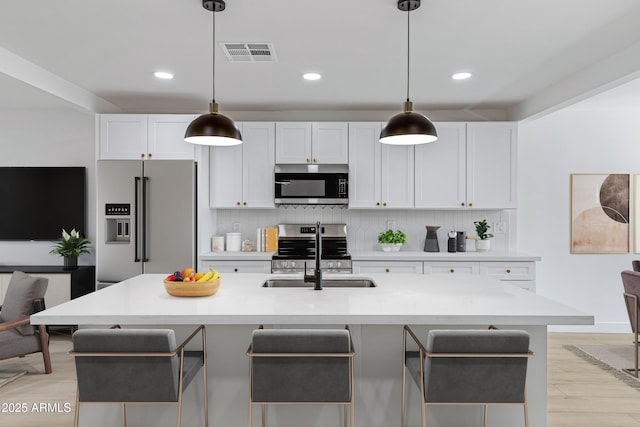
(146, 218)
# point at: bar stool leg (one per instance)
(486, 414)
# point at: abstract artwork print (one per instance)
(599, 213)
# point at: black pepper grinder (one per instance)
(452, 243)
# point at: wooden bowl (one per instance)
(192, 289)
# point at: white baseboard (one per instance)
(598, 328)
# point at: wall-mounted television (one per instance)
(36, 203)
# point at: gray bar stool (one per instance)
(468, 367)
(136, 366)
(301, 366)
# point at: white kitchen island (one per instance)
(375, 316)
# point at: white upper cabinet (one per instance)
(380, 176)
(293, 142)
(491, 165)
(471, 165)
(317, 142)
(242, 175)
(441, 174)
(397, 179)
(364, 165)
(166, 137)
(142, 136)
(330, 143)
(123, 136)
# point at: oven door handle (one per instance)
(285, 182)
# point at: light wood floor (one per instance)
(580, 394)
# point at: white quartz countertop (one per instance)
(236, 256)
(442, 256)
(398, 299)
(510, 256)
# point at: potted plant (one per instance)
(483, 243)
(69, 246)
(392, 240)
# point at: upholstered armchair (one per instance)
(631, 284)
(18, 337)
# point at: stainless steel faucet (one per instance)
(316, 277)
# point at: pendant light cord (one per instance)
(213, 54)
(408, 50)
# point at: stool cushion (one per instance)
(131, 378)
(473, 379)
(301, 378)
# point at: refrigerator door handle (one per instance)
(145, 181)
(136, 219)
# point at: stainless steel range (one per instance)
(296, 246)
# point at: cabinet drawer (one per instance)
(410, 267)
(238, 266)
(451, 267)
(508, 271)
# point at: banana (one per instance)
(209, 276)
(206, 277)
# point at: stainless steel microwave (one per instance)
(311, 184)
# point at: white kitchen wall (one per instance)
(47, 138)
(363, 226)
(550, 149)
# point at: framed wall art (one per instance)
(600, 213)
(636, 213)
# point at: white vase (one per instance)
(483, 245)
(391, 247)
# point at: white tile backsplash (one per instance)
(363, 226)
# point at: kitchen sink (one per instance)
(355, 282)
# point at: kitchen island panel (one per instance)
(375, 316)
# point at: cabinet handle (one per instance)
(237, 203)
(462, 204)
(142, 155)
(315, 160)
(235, 270)
(244, 203)
(387, 270)
(384, 204)
(470, 204)
(150, 155)
(377, 203)
(452, 270)
(308, 160)
(508, 270)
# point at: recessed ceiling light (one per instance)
(461, 76)
(163, 75)
(311, 76)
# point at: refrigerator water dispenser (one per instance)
(118, 229)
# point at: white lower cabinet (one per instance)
(453, 267)
(364, 267)
(58, 289)
(519, 273)
(223, 267)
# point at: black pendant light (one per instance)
(213, 128)
(408, 127)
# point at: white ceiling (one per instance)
(527, 56)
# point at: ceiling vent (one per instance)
(249, 52)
